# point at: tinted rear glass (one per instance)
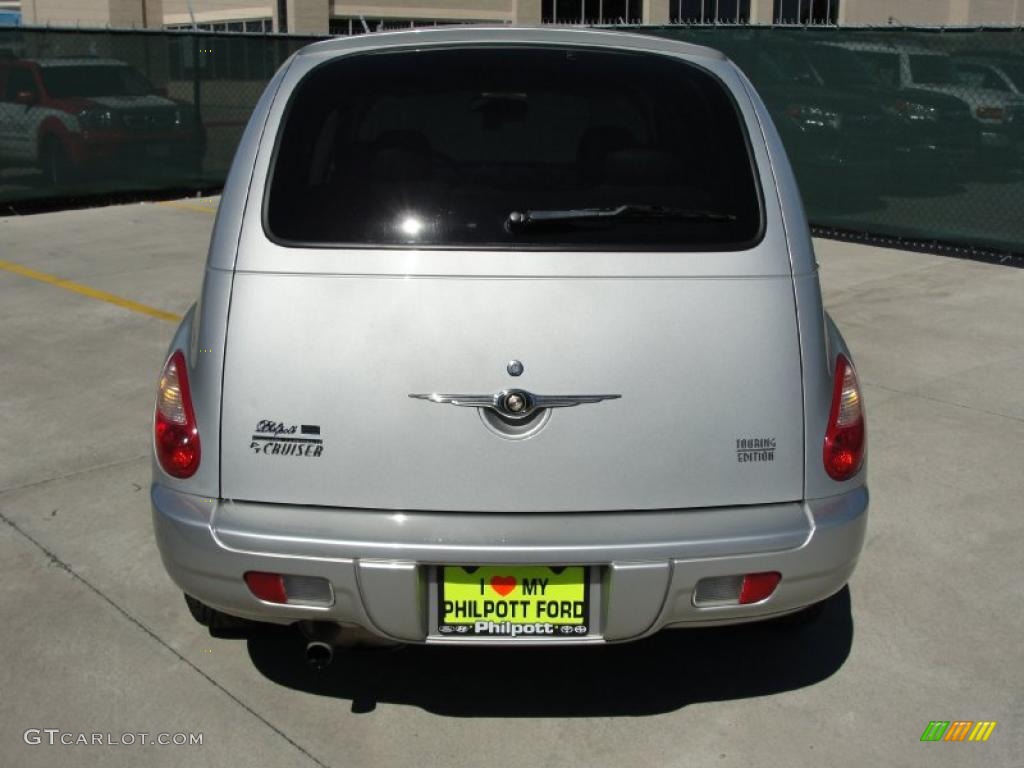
(440, 147)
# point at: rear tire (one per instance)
(196, 159)
(213, 619)
(57, 168)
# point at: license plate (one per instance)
(513, 601)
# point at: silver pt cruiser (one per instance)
(508, 336)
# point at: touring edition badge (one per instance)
(275, 438)
(755, 449)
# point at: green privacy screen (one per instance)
(909, 134)
(902, 133)
(87, 113)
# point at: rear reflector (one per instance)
(267, 586)
(293, 590)
(735, 590)
(758, 586)
(990, 113)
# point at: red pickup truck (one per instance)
(77, 116)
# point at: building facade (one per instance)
(320, 17)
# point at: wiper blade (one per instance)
(523, 219)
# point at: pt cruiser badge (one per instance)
(514, 403)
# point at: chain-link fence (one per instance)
(90, 113)
(915, 134)
(904, 133)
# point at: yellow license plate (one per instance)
(513, 601)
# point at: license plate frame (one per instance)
(581, 625)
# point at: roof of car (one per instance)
(504, 33)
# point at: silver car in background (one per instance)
(508, 336)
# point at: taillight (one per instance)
(758, 586)
(177, 437)
(990, 113)
(844, 438)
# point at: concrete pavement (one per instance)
(97, 639)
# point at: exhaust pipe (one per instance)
(322, 637)
(319, 654)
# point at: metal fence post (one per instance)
(196, 88)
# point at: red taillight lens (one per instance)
(990, 113)
(845, 437)
(758, 586)
(267, 586)
(177, 436)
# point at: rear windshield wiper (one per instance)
(522, 219)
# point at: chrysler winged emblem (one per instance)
(514, 403)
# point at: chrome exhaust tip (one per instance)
(319, 654)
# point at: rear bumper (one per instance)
(378, 563)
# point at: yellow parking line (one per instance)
(188, 206)
(92, 293)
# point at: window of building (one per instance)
(806, 12)
(258, 26)
(354, 25)
(591, 11)
(709, 11)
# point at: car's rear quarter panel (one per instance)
(203, 330)
(820, 340)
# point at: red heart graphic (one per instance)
(503, 584)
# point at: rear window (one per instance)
(513, 147)
(933, 70)
(885, 66)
